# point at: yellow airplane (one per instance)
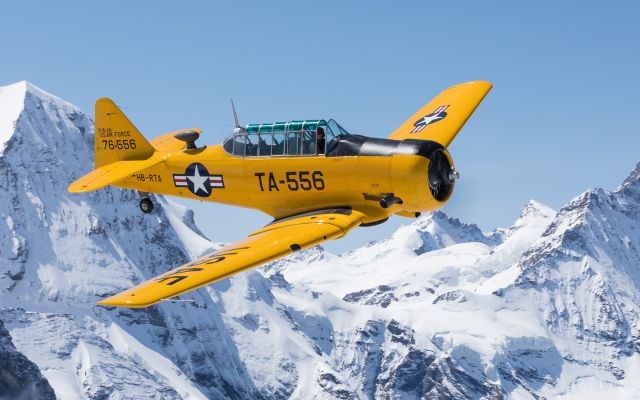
(313, 177)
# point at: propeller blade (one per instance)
(235, 115)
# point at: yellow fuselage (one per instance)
(286, 185)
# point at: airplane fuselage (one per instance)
(358, 175)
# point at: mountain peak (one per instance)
(534, 220)
(23, 87)
(633, 178)
(533, 214)
(535, 208)
(431, 231)
(12, 104)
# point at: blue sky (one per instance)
(560, 119)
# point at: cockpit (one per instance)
(294, 138)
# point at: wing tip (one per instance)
(105, 100)
(77, 187)
(486, 84)
(118, 301)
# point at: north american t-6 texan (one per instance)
(313, 177)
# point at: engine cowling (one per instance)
(441, 175)
(423, 181)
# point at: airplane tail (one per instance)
(120, 149)
(443, 117)
(116, 138)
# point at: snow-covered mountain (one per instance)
(548, 307)
(59, 253)
(19, 377)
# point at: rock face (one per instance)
(584, 277)
(19, 377)
(548, 307)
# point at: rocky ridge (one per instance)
(547, 308)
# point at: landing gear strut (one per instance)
(146, 205)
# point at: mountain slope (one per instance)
(413, 326)
(60, 253)
(19, 377)
(584, 277)
(545, 308)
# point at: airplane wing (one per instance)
(276, 240)
(443, 117)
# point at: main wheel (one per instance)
(146, 205)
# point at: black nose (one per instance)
(440, 176)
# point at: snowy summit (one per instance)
(546, 308)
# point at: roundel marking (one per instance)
(198, 180)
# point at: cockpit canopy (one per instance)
(293, 138)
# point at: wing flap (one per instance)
(111, 173)
(443, 117)
(274, 241)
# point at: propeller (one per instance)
(441, 176)
(237, 130)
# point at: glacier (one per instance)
(546, 308)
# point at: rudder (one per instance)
(116, 138)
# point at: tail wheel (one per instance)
(146, 205)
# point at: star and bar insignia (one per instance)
(198, 180)
(435, 116)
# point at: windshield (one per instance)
(336, 129)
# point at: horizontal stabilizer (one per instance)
(110, 174)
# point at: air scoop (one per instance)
(189, 137)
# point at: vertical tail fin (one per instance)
(116, 138)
